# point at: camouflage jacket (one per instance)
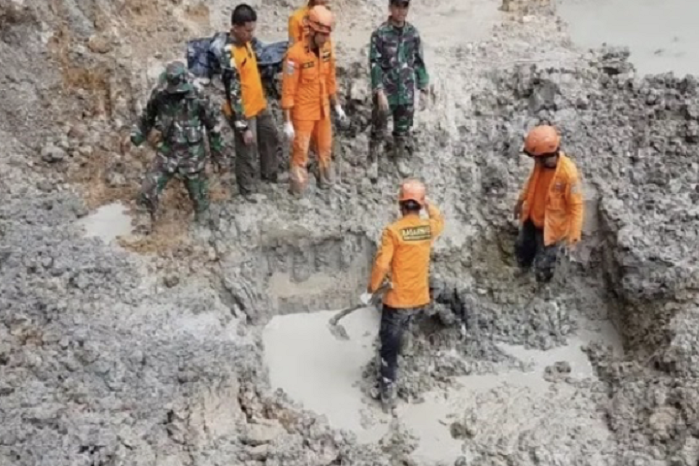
(230, 76)
(397, 63)
(181, 120)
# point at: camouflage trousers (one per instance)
(159, 175)
(402, 115)
(531, 251)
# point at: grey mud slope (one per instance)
(112, 357)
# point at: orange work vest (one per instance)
(563, 216)
(253, 94)
(405, 253)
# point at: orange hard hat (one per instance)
(412, 190)
(542, 140)
(320, 19)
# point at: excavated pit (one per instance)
(330, 380)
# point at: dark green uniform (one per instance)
(397, 67)
(181, 114)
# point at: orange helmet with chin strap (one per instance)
(321, 19)
(542, 140)
(413, 190)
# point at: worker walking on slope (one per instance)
(308, 89)
(405, 254)
(180, 113)
(245, 104)
(298, 21)
(397, 65)
(550, 206)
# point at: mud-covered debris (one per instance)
(52, 154)
(558, 371)
(258, 434)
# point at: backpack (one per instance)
(203, 57)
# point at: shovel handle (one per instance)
(336, 318)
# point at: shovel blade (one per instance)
(339, 332)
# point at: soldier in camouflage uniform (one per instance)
(397, 66)
(180, 114)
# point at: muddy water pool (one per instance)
(323, 373)
(108, 222)
(661, 34)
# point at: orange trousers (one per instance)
(306, 132)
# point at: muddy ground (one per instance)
(156, 351)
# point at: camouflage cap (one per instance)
(176, 77)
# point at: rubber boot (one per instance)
(375, 147)
(400, 154)
(145, 222)
(388, 397)
(325, 177)
(314, 169)
(298, 180)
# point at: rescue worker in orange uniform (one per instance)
(245, 105)
(550, 207)
(308, 89)
(298, 27)
(405, 255)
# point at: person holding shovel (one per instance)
(397, 66)
(404, 254)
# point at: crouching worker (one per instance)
(550, 206)
(405, 255)
(182, 116)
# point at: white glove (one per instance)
(289, 130)
(340, 112)
(365, 298)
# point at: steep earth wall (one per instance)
(110, 357)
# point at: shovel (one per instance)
(338, 330)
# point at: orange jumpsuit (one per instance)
(309, 81)
(405, 253)
(563, 202)
(298, 30)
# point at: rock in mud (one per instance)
(99, 44)
(258, 434)
(52, 154)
